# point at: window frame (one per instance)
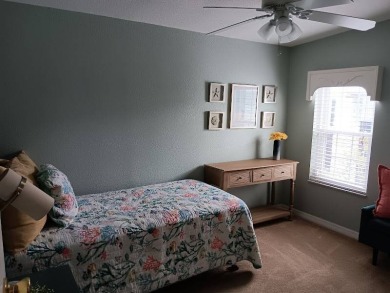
(328, 134)
(369, 78)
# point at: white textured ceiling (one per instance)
(190, 15)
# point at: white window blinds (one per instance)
(342, 134)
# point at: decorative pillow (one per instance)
(382, 208)
(19, 229)
(56, 184)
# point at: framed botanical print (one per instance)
(267, 119)
(217, 92)
(216, 120)
(269, 94)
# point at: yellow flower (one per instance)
(278, 136)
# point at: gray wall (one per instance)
(116, 104)
(352, 49)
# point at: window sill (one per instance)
(338, 187)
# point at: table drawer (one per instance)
(239, 178)
(283, 172)
(263, 174)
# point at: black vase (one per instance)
(276, 152)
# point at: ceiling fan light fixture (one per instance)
(295, 33)
(283, 26)
(265, 31)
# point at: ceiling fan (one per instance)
(283, 12)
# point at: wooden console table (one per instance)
(249, 172)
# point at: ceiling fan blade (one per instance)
(266, 30)
(239, 23)
(296, 32)
(265, 3)
(342, 20)
(314, 4)
(229, 7)
(238, 7)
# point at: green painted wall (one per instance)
(117, 104)
(351, 49)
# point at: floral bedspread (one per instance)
(142, 239)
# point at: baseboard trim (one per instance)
(327, 224)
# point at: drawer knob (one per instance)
(239, 178)
(282, 172)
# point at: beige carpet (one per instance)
(299, 256)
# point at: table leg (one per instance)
(292, 191)
(273, 193)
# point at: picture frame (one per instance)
(267, 119)
(269, 94)
(244, 105)
(216, 120)
(217, 92)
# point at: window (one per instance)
(342, 134)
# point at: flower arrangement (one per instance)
(278, 136)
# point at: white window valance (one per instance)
(370, 78)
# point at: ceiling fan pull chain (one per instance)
(279, 47)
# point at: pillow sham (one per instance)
(18, 228)
(382, 207)
(56, 184)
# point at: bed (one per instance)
(145, 238)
